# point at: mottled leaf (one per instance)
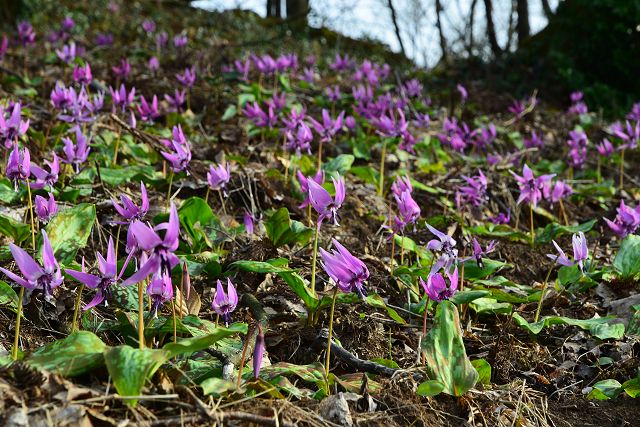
(69, 231)
(77, 354)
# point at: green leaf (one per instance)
(69, 231)
(18, 231)
(8, 194)
(190, 345)
(131, 173)
(466, 296)
(8, 296)
(501, 231)
(632, 387)
(199, 222)
(484, 371)
(341, 164)
(600, 327)
(553, 230)
(490, 305)
(282, 231)
(605, 390)
(430, 388)
(473, 272)
(229, 113)
(130, 368)
(367, 174)
(217, 386)
(79, 353)
(313, 373)
(258, 267)
(627, 260)
(447, 360)
(376, 300)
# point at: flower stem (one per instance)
(313, 261)
(74, 324)
(382, 157)
(622, 169)
(16, 340)
(544, 288)
(115, 151)
(175, 327)
(224, 208)
(333, 307)
(206, 196)
(141, 314)
(319, 156)
(33, 228)
(169, 191)
(244, 355)
(564, 213)
(533, 231)
(599, 171)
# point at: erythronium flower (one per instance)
(530, 187)
(409, 212)
(346, 270)
(299, 140)
(44, 178)
(123, 70)
(148, 111)
(160, 290)
(501, 218)
(577, 148)
(580, 252)
(224, 304)
(82, 74)
(129, 210)
(18, 165)
(68, 53)
(605, 148)
(102, 282)
(446, 246)
(474, 193)
(181, 151)
(176, 101)
(218, 177)
(154, 63)
(149, 25)
(45, 278)
(160, 251)
(76, 154)
(401, 184)
(180, 40)
(463, 92)
(560, 191)
(329, 127)
(326, 206)
(318, 178)
(45, 208)
(26, 34)
(14, 127)
(534, 141)
(626, 221)
(478, 252)
(120, 98)
(188, 77)
(436, 286)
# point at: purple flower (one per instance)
(629, 134)
(224, 304)
(68, 53)
(103, 39)
(45, 278)
(501, 218)
(180, 156)
(580, 252)
(389, 126)
(561, 190)
(160, 257)
(446, 246)
(123, 70)
(478, 252)
(259, 117)
(634, 114)
(243, 68)
(102, 282)
(576, 96)
(82, 74)
(180, 40)
(258, 352)
(463, 92)
(474, 193)
(577, 148)
(436, 286)
(517, 108)
(484, 136)
(18, 165)
(44, 178)
(333, 93)
(626, 221)
(45, 209)
(350, 122)
(347, 271)
(341, 63)
(422, 120)
(176, 101)
(160, 290)
(76, 154)
(326, 206)
(408, 209)
(120, 98)
(129, 210)
(605, 148)
(218, 177)
(400, 185)
(530, 186)
(26, 34)
(149, 25)
(413, 88)
(4, 46)
(248, 220)
(188, 77)
(329, 127)
(299, 140)
(162, 38)
(148, 112)
(318, 178)
(153, 64)
(14, 127)
(534, 141)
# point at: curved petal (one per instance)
(29, 268)
(90, 280)
(15, 278)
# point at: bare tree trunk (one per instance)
(274, 9)
(470, 26)
(491, 29)
(394, 19)
(297, 12)
(443, 40)
(278, 8)
(522, 26)
(546, 7)
(511, 28)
